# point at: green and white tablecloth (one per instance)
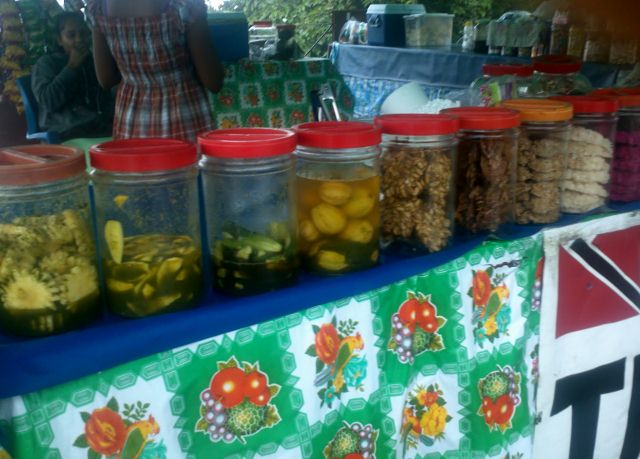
(442, 364)
(275, 93)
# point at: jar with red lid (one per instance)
(501, 82)
(338, 188)
(590, 152)
(542, 157)
(249, 197)
(558, 76)
(486, 170)
(48, 275)
(625, 171)
(148, 222)
(418, 187)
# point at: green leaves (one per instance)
(493, 305)
(81, 442)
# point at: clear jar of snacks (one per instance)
(542, 154)
(590, 152)
(501, 82)
(338, 189)
(486, 169)
(249, 197)
(558, 76)
(148, 222)
(418, 187)
(47, 252)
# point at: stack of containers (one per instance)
(625, 172)
(148, 221)
(500, 82)
(418, 187)
(590, 153)
(338, 191)
(558, 76)
(249, 198)
(542, 153)
(487, 165)
(47, 252)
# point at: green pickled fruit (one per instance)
(114, 237)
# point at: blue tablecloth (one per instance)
(33, 364)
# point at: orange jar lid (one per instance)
(540, 110)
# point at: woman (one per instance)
(70, 100)
(162, 53)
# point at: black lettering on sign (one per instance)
(631, 446)
(582, 393)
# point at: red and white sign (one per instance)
(589, 389)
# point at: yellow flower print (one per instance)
(490, 326)
(502, 291)
(434, 420)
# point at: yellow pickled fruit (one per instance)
(130, 271)
(335, 193)
(360, 204)
(358, 231)
(114, 237)
(331, 261)
(117, 286)
(168, 269)
(148, 291)
(308, 231)
(328, 219)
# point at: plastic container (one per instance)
(338, 189)
(385, 23)
(418, 187)
(481, 36)
(428, 30)
(559, 32)
(577, 41)
(501, 82)
(625, 172)
(263, 40)
(558, 76)
(47, 252)
(598, 42)
(148, 222)
(249, 198)
(591, 140)
(487, 165)
(229, 32)
(542, 156)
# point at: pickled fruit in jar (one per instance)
(48, 278)
(247, 262)
(151, 273)
(339, 223)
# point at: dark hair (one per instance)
(67, 16)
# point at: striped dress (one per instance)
(160, 95)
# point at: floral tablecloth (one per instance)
(275, 93)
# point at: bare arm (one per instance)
(208, 67)
(106, 68)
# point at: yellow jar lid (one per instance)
(540, 110)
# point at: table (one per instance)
(373, 72)
(323, 357)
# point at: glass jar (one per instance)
(263, 40)
(597, 47)
(418, 169)
(47, 251)
(577, 40)
(501, 82)
(558, 76)
(486, 169)
(542, 154)
(338, 189)
(589, 155)
(248, 180)
(480, 29)
(148, 222)
(559, 32)
(624, 49)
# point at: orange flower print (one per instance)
(481, 288)
(327, 342)
(105, 431)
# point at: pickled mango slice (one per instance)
(358, 231)
(331, 261)
(328, 219)
(360, 204)
(148, 291)
(130, 271)
(117, 286)
(162, 302)
(168, 269)
(335, 193)
(114, 238)
(120, 200)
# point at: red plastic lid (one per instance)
(37, 164)
(589, 104)
(338, 134)
(523, 70)
(484, 118)
(558, 65)
(626, 97)
(142, 155)
(247, 143)
(417, 124)
(263, 23)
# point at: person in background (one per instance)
(161, 52)
(64, 83)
